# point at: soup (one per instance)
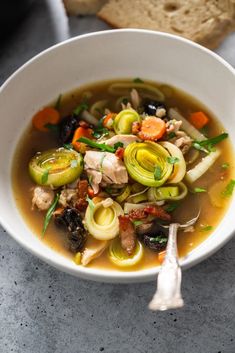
(101, 173)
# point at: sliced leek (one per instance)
(179, 167)
(142, 160)
(144, 89)
(168, 192)
(102, 221)
(201, 168)
(123, 121)
(56, 167)
(186, 126)
(139, 196)
(124, 195)
(120, 257)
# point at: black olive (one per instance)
(67, 127)
(71, 219)
(150, 107)
(153, 235)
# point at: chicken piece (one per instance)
(183, 143)
(125, 139)
(127, 234)
(42, 198)
(68, 197)
(112, 168)
(93, 251)
(173, 126)
(160, 112)
(94, 178)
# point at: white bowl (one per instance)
(106, 55)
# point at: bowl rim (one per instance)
(98, 274)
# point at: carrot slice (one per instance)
(161, 256)
(152, 128)
(45, 117)
(198, 119)
(80, 132)
(108, 120)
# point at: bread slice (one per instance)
(204, 21)
(83, 7)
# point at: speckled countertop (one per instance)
(43, 310)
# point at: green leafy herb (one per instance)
(101, 163)
(229, 189)
(58, 102)
(198, 190)
(52, 127)
(204, 130)
(171, 135)
(109, 190)
(138, 80)
(137, 223)
(225, 165)
(172, 160)
(117, 145)
(90, 203)
(100, 146)
(172, 207)
(80, 108)
(160, 240)
(208, 145)
(74, 163)
(68, 146)
(157, 173)
(100, 130)
(45, 176)
(81, 162)
(50, 213)
(206, 228)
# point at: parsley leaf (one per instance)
(52, 127)
(117, 145)
(172, 160)
(199, 190)
(90, 203)
(171, 135)
(45, 176)
(172, 207)
(225, 165)
(50, 213)
(160, 240)
(80, 108)
(157, 173)
(68, 146)
(125, 101)
(206, 228)
(229, 189)
(137, 223)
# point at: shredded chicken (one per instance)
(173, 126)
(68, 197)
(105, 167)
(135, 99)
(127, 234)
(161, 112)
(42, 197)
(125, 139)
(93, 251)
(183, 143)
(189, 229)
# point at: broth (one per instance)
(33, 141)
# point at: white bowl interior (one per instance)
(107, 55)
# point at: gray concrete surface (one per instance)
(45, 311)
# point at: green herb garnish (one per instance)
(137, 223)
(117, 145)
(229, 189)
(157, 173)
(172, 207)
(125, 101)
(58, 102)
(68, 146)
(50, 213)
(100, 146)
(208, 145)
(52, 127)
(198, 190)
(171, 135)
(45, 176)
(138, 80)
(80, 108)
(172, 160)
(90, 203)
(100, 130)
(160, 240)
(225, 165)
(204, 130)
(206, 228)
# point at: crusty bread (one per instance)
(83, 7)
(204, 21)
